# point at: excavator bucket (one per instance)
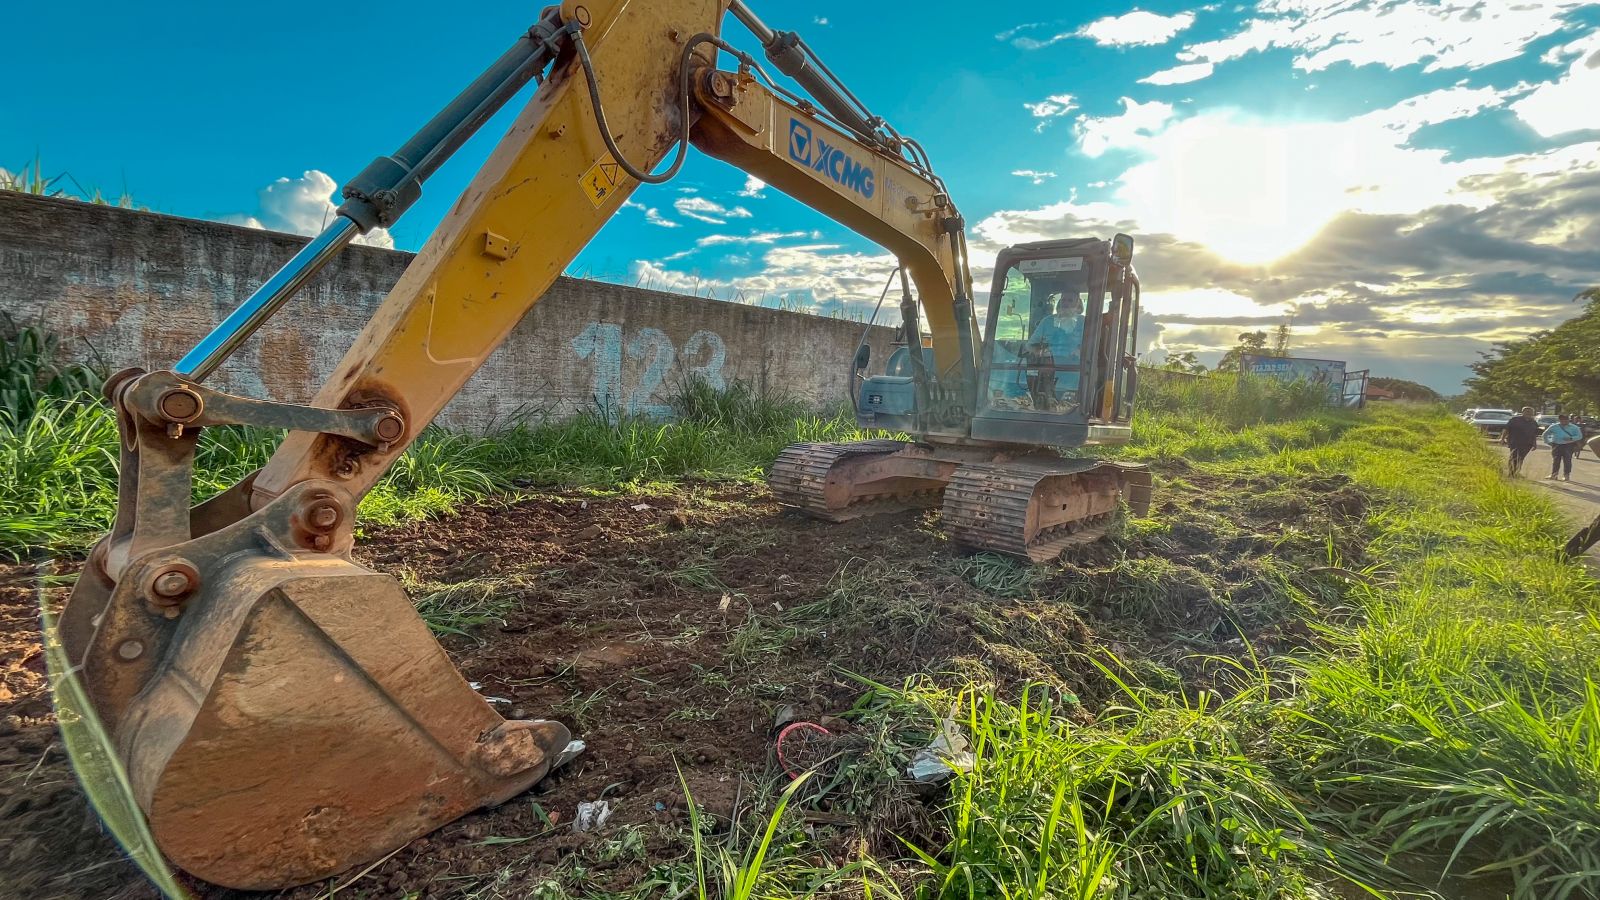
(307, 722)
(279, 713)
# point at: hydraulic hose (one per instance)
(683, 101)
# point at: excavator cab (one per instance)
(1058, 346)
(1056, 367)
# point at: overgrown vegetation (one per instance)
(1440, 719)
(31, 370)
(58, 451)
(30, 179)
(1194, 405)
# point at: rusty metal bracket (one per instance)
(178, 404)
(159, 415)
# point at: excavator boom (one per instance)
(281, 711)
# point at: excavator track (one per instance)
(840, 482)
(1034, 509)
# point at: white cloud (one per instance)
(1011, 33)
(302, 206)
(753, 187)
(760, 237)
(1051, 107)
(1035, 176)
(1409, 115)
(651, 214)
(1253, 190)
(708, 211)
(814, 277)
(1445, 34)
(1571, 103)
(1130, 128)
(1136, 29)
(1211, 302)
(820, 20)
(1181, 74)
(1017, 38)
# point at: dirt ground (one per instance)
(676, 631)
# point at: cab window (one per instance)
(1038, 336)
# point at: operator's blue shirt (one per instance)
(1065, 343)
(1066, 346)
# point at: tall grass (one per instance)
(58, 481)
(58, 461)
(30, 371)
(1461, 722)
(1234, 401)
(1159, 798)
(1204, 419)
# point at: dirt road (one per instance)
(1578, 499)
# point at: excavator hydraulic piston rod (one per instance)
(216, 347)
(383, 191)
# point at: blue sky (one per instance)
(1407, 180)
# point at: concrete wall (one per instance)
(139, 288)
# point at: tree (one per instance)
(1186, 362)
(1558, 367)
(1251, 342)
(1280, 339)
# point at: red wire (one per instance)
(787, 729)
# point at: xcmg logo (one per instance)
(810, 150)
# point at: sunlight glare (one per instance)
(1256, 192)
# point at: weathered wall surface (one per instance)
(140, 289)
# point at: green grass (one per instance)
(1447, 725)
(1158, 798)
(1462, 719)
(58, 458)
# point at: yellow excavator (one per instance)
(281, 712)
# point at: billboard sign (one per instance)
(1329, 372)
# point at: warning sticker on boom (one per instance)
(602, 180)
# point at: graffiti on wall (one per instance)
(655, 358)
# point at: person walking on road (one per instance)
(1564, 439)
(1521, 435)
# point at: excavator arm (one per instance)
(281, 711)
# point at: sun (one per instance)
(1253, 194)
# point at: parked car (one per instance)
(1491, 421)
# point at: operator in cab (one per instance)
(1061, 333)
